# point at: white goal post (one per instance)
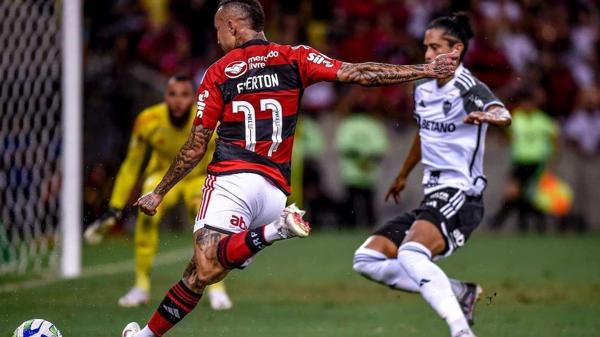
(40, 137)
(71, 191)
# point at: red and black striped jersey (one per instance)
(253, 93)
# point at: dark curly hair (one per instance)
(253, 10)
(456, 25)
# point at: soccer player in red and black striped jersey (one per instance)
(251, 97)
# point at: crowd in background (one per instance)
(549, 49)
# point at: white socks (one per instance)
(379, 268)
(433, 283)
(271, 233)
(376, 266)
(145, 332)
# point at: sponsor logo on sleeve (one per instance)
(477, 101)
(236, 69)
(201, 104)
(320, 59)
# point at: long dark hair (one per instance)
(457, 26)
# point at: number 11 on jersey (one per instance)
(250, 122)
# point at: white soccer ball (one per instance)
(36, 328)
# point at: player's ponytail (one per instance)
(457, 25)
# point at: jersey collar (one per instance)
(254, 42)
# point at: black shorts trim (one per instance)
(395, 229)
(220, 230)
(456, 229)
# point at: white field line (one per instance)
(177, 255)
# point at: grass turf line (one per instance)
(545, 286)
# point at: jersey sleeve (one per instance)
(314, 66)
(484, 97)
(131, 167)
(209, 101)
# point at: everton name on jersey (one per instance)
(253, 93)
(452, 151)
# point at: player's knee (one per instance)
(411, 253)
(361, 267)
(365, 261)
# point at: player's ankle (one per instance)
(145, 332)
(234, 250)
(272, 233)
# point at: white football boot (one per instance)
(130, 330)
(134, 298)
(219, 300)
(291, 224)
(95, 232)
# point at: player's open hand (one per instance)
(444, 65)
(148, 203)
(394, 191)
(497, 116)
(476, 117)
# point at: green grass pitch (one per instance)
(544, 286)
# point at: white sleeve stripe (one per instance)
(463, 83)
(467, 72)
(472, 80)
(468, 79)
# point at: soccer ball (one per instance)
(36, 328)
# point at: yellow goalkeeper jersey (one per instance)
(153, 131)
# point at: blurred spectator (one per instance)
(520, 48)
(584, 37)
(558, 83)
(362, 141)
(533, 136)
(307, 184)
(582, 129)
(486, 56)
(165, 47)
(358, 45)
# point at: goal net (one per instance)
(30, 135)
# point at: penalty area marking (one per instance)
(177, 255)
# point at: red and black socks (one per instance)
(234, 250)
(179, 302)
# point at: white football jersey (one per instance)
(452, 151)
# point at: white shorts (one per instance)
(238, 202)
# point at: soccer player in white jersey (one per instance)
(453, 114)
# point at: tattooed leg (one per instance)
(204, 268)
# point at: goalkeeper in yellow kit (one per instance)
(160, 129)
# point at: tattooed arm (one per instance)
(189, 156)
(375, 74)
(495, 115)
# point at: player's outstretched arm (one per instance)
(187, 158)
(412, 159)
(376, 74)
(495, 115)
